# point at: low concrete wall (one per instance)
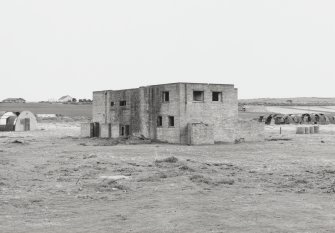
(86, 130)
(250, 131)
(308, 129)
(115, 131)
(200, 134)
(105, 130)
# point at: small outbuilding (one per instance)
(17, 121)
(14, 100)
(65, 99)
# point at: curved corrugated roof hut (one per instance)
(288, 119)
(296, 118)
(324, 119)
(306, 118)
(270, 120)
(279, 119)
(331, 119)
(17, 121)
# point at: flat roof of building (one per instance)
(232, 85)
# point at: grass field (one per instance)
(252, 110)
(53, 181)
(301, 109)
(70, 110)
(301, 101)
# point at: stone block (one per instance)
(86, 130)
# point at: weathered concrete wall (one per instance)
(104, 112)
(221, 114)
(105, 131)
(99, 106)
(115, 131)
(86, 130)
(129, 114)
(200, 134)
(158, 107)
(250, 131)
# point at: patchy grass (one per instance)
(171, 159)
(201, 179)
(186, 168)
(210, 181)
(110, 185)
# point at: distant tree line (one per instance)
(74, 100)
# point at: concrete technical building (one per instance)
(184, 113)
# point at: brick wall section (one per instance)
(200, 134)
(250, 131)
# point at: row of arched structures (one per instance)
(17, 121)
(306, 118)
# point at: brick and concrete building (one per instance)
(175, 113)
(14, 100)
(65, 99)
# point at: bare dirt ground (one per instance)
(53, 181)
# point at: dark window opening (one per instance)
(159, 121)
(198, 96)
(216, 96)
(123, 103)
(124, 130)
(166, 96)
(171, 121)
(112, 104)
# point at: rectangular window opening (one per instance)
(171, 121)
(198, 96)
(159, 121)
(166, 96)
(112, 104)
(216, 96)
(123, 103)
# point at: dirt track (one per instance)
(56, 182)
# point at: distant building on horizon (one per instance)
(14, 100)
(65, 99)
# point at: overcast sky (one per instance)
(268, 48)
